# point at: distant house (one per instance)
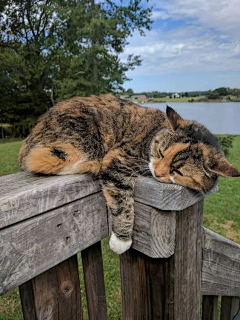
(126, 97)
(176, 95)
(139, 96)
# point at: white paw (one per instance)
(119, 246)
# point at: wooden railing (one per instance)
(46, 221)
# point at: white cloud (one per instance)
(208, 41)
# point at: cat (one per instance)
(118, 141)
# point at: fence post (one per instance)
(210, 308)
(54, 294)
(230, 308)
(166, 289)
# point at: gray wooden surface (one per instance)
(53, 295)
(45, 220)
(25, 195)
(154, 231)
(230, 308)
(37, 244)
(184, 273)
(221, 265)
(210, 308)
(167, 196)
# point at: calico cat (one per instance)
(118, 141)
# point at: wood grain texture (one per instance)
(54, 294)
(25, 195)
(94, 282)
(230, 308)
(135, 286)
(27, 301)
(221, 265)
(35, 245)
(184, 270)
(167, 196)
(154, 231)
(210, 308)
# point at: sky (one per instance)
(193, 45)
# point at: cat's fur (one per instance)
(118, 141)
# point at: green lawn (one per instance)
(221, 214)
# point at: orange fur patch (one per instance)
(114, 154)
(183, 123)
(42, 160)
(110, 201)
(89, 166)
(170, 153)
(205, 149)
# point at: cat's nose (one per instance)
(157, 174)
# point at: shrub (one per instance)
(226, 142)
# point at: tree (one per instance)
(221, 91)
(67, 48)
(129, 92)
(97, 41)
(212, 95)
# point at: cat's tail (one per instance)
(59, 158)
(44, 160)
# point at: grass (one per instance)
(221, 214)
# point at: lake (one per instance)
(222, 118)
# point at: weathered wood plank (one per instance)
(154, 231)
(184, 270)
(230, 308)
(25, 195)
(135, 286)
(210, 308)
(221, 265)
(27, 301)
(94, 282)
(145, 287)
(37, 244)
(54, 294)
(166, 289)
(167, 196)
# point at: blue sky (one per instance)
(193, 45)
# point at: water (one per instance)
(219, 118)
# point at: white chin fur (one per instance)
(172, 179)
(151, 167)
(119, 246)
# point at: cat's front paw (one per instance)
(119, 246)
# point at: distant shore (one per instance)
(187, 99)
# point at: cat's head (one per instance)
(186, 153)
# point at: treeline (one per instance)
(51, 50)
(210, 94)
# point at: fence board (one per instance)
(167, 196)
(33, 246)
(154, 231)
(135, 286)
(230, 308)
(94, 282)
(221, 265)
(184, 273)
(54, 294)
(210, 308)
(25, 195)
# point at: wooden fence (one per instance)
(46, 221)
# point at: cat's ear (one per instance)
(224, 168)
(173, 117)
